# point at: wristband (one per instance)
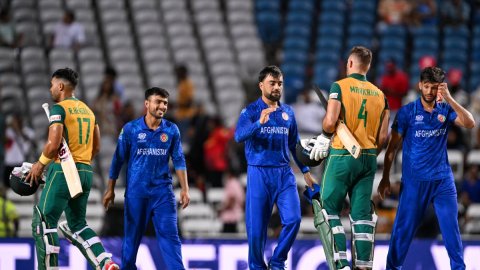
(44, 160)
(327, 134)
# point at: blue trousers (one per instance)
(162, 209)
(415, 196)
(265, 187)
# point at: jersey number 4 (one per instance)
(80, 128)
(362, 114)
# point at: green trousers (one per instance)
(55, 199)
(346, 175)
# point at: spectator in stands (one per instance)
(393, 12)
(186, 91)
(8, 36)
(8, 216)
(424, 13)
(107, 106)
(68, 33)
(475, 110)
(470, 189)
(111, 77)
(455, 12)
(394, 83)
(232, 205)
(454, 78)
(128, 112)
(309, 114)
(215, 152)
(197, 134)
(19, 145)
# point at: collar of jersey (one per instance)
(144, 125)
(419, 106)
(358, 76)
(264, 105)
(71, 98)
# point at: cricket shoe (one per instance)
(110, 265)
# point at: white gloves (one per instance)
(320, 147)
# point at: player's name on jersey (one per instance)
(274, 130)
(422, 133)
(362, 91)
(75, 110)
(152, 151)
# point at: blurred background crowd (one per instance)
(207, 54)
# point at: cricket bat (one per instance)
(342, 130)
(68, 165)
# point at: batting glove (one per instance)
(320, 147)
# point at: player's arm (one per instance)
(96, 141)
(331, 117)
(119, 157)
(178, 159)
(293, 139)
(50, 151)
(383, 132)
(246, 127)
(393, 143)
(464, 117)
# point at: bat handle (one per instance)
(45, 108)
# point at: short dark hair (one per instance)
(363, 54)
(67, 74)
(109, 70)
(157, 91)
(269, 70)
(432, 75)
(70, 14)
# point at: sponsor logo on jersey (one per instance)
(152, 151)
(142, 136)
(55, 117)
(285, 116)
(441, 118)
(419, 118)
(333, 95)
(274, 130)
(164, 137)
(427, 133)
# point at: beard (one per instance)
(429, 99)
(275, 97)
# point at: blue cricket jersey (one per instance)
(268, 144)
(147, 152)
(424, 140)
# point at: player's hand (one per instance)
(108, 198)
(384, 188)
(443, 93)
(264, 116)
(184, 198)
(309, 180)
(320, 147)
(35, 173)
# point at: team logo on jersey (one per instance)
(419, 118)
(142, 136)
(441, 118)
(164, 137)
(285, 116)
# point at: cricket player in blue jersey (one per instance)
(269, 131)
(146, 145)
(427, 177)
